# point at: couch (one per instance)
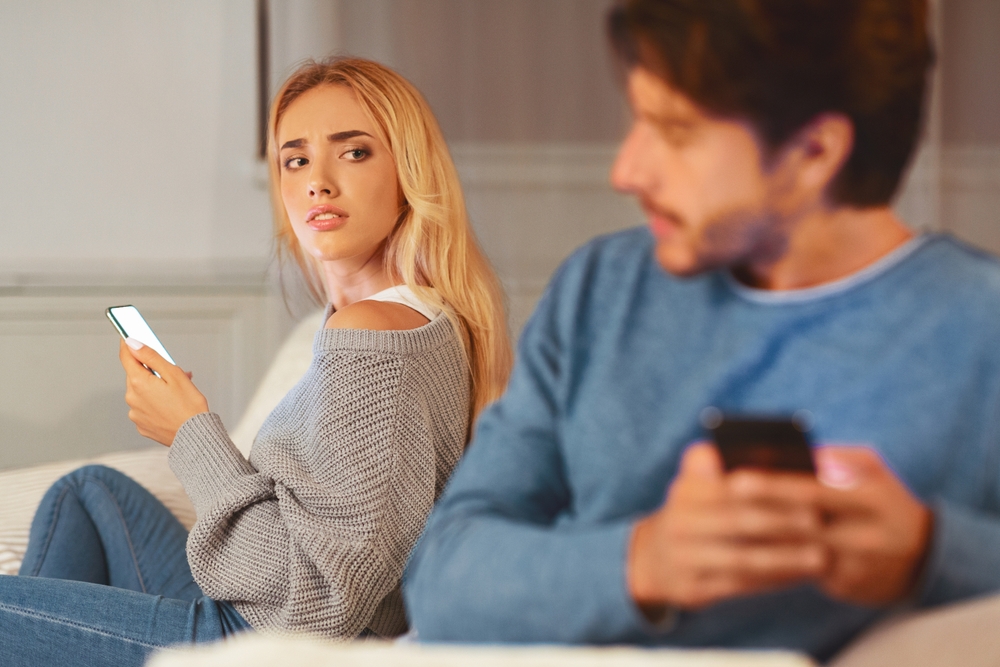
(966, 634)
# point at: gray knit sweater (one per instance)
(312, 533)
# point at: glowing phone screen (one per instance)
(130, 324)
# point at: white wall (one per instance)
(128, 134)
(970, 120)
(129, 174)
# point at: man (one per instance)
(768, 138)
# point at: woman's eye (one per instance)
(356, 154)
(295, 162)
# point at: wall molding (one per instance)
(534, 165)
(63, 384)
(970, 183)
(971, 167)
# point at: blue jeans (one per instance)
(105, 579)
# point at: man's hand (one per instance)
(877, 531)
(159, 405)
(719, 536)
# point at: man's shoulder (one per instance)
(615, 261)
(952, 281)
(608, 266)
(614, 278)
(960, 270)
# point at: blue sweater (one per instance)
(528, 543)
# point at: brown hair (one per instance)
(432, 249)
(780, 63)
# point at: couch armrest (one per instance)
(958, 634)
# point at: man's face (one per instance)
(709, 198)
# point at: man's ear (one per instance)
(819, 151)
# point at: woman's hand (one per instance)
(159, 405)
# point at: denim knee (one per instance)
(94, 471)
(73, 482)
(43, 525)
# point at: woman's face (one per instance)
(338, 180)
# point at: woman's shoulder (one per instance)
(376, 316)
(383, 328)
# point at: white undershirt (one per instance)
(402, 294)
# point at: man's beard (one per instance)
(734, 240)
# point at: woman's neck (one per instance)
(354, 279)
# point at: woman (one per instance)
(312, 533)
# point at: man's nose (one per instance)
(627, 168)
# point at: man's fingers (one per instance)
(771, 562)
(747, 522)
(777, 488)
(866, 538)
(858, 503)
(757, 523)
(723, 586)
(710, 572)
(846, 466)
(706, 590)
(702, 459)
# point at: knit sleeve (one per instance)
(315, 537)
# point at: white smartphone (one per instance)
(130, 324)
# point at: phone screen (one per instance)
(130, 324)
(768, 443)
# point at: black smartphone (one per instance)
(768, 443)
(130, 324)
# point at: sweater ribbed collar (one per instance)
(434, 334)
(793, 296)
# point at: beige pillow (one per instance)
(965, 634)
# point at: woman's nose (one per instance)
(322, 183)
(316, 188)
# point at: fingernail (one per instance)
(837, 476)
(134, 343)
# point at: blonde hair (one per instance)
(432, 248)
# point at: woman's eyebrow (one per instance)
(337, 136)
(348, 134)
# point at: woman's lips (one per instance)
(325, 222)
(325, 218)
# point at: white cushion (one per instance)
(261, 650)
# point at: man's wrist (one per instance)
(637, 569)
(661, 615)
(919, 567)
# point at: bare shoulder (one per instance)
(376, 316)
